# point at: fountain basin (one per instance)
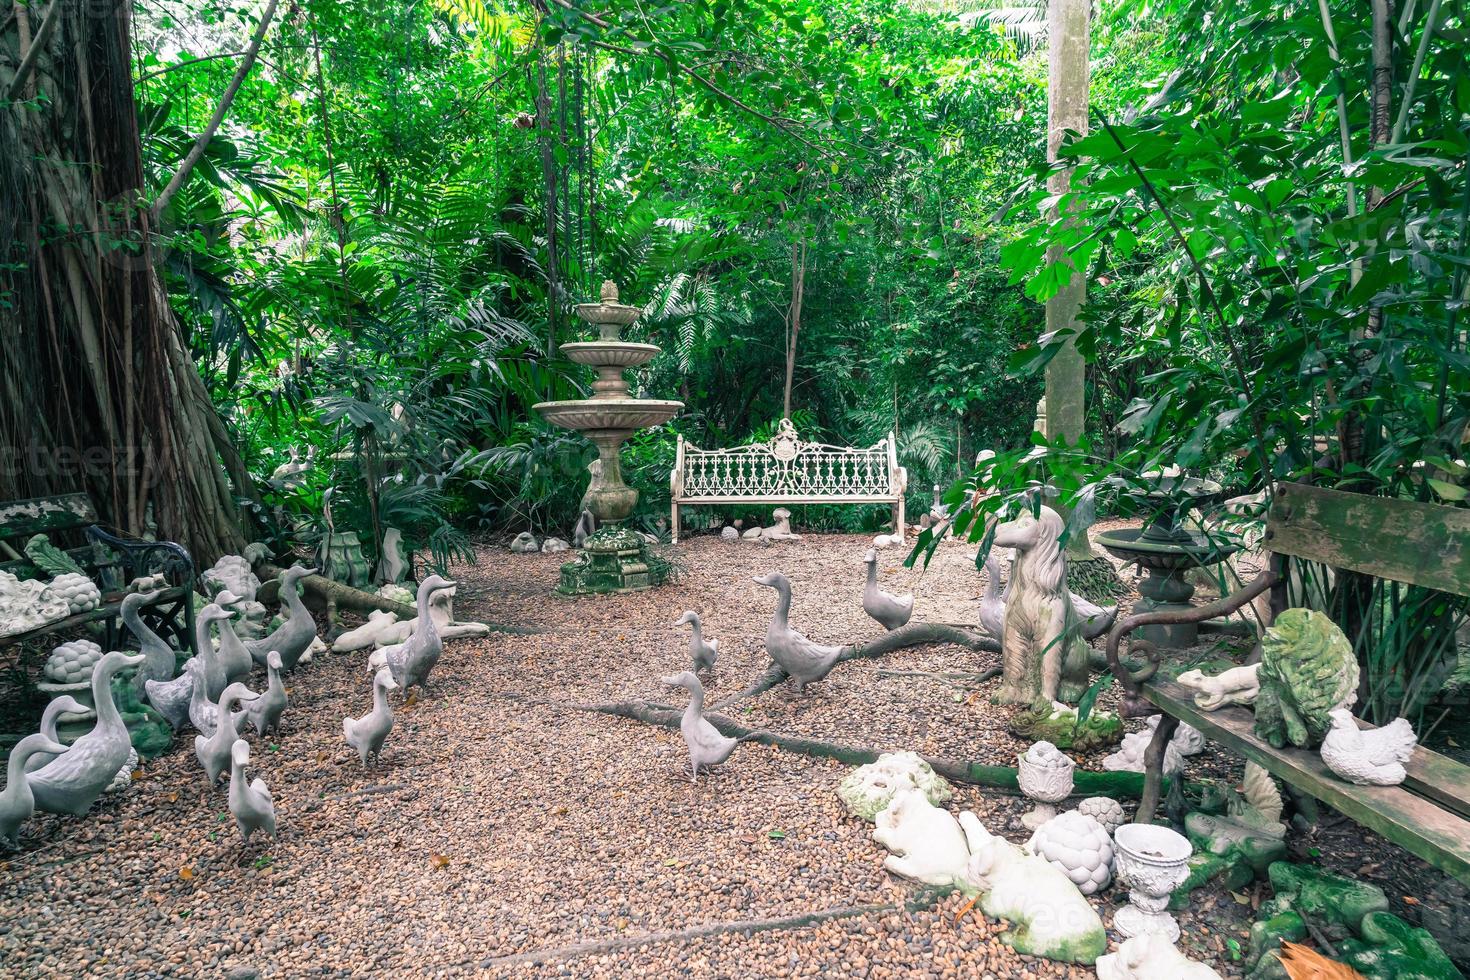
(609, 414)
(1164, 558)
(603, 353)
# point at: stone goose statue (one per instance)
(66, 704)
(366, 734)
(203, 713)
(804, 660)
(231, 656)
(707, 747)
(1095, 620)
(208, 656)
(17, 802)
(411, 660)
(891, 611)
(702, 652)
(251, 804)
(159, 663)
(213, 750)
(171, 698)
(72, 781)
(292, 638)
(265, 711)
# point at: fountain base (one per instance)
(614, 559)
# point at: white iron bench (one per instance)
(786, 470)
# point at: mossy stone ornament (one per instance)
(1307, 670)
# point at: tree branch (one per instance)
(28, 63)
(196, 152)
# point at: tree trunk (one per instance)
(793, 317)
(100, 392)
(549, 182)
(1068, 33)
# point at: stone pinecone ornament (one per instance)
(1307, 670)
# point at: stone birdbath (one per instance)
(1151, 861)
(1165, 549)
(614, 558)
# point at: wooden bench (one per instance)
(1399, 540)
(112, 561)
(786, 470)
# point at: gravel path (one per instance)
(506, 837)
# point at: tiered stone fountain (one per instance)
(615, 558)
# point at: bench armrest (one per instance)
(1132, 682)
(144, 557)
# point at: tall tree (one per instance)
(97, 389)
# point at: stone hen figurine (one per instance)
(707, 747)
(251, 805)
(367, 734)
(702, 652)
(1374, 757)
(805, 661)
(891, 611)
(413, 659)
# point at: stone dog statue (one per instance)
(1043, 655)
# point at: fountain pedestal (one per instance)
(615, 558)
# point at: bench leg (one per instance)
(1153, 769)
(674, 521)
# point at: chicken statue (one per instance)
(1372, 757)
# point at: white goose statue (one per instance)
(891, 611)
(72, 781)
(250, 803)
(203, 713)
(804, 660)
(367, 734)
(264, 713)
(231, 657)
(702, 652)
(160, 662)
(55, 708)
(213, 750)
(293, 637)
(413, 659)
(707, 747)
(17, 801)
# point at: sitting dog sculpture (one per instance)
(1043, 655)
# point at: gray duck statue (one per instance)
(702, 652)
(204, 713)
(208, 656)
(213, 751)
(160, 661)
(366, 734)
(411, 660)
(251, 804)
(293, 637)
(233, 659)
(72, 781)
(805, 661)
(707, 747)
(264, 713)
(55, 708)
(17, 802)
(891, 611)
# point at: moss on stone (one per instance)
(1058, 725)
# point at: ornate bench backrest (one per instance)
(786, 466)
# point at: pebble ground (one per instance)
(505, 836)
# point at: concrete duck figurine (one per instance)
(208, 656)
(292, 638)
(707, 747)
(251, 804)
(231, 655)
(264, 713)
(72, 781)
(702, 652)
(66, 704)
(1095, 620)
(17, 802)
(213, 751)
(891, 611)
(204, 713)
(366, 734)
(1371, 757)
(413, 659)
(804, 660)
(159, 663)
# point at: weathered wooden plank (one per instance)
(1436, 777)
(1403, 540)
(23, 518)
(1439, 836)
